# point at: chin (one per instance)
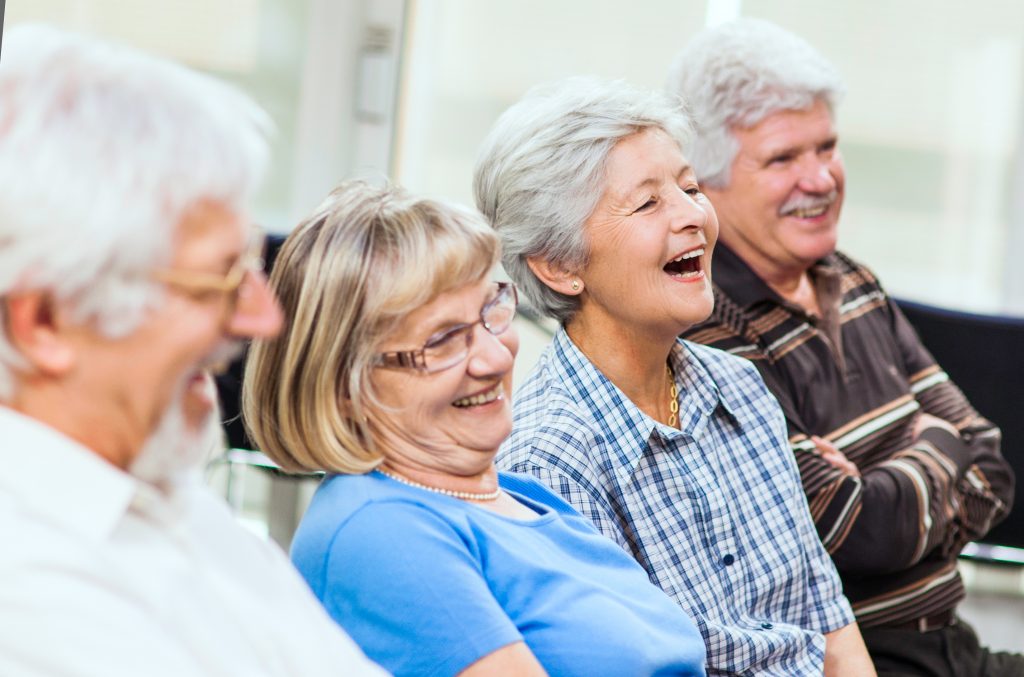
(181, 443)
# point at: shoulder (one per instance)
(741, 387)
(547, 415)
(368, 513)
(534, 490)
(716, 361)
(728, 372)
(855, 275)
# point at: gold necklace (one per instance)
(464, 495)
(673, 405)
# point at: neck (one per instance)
(75, 418)
(483, 481)
(633, 359)
(792, 283)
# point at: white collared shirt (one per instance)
(101, 574)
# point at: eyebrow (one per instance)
(653, 180)
(796, 149)
(445, 324)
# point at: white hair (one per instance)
(103, 150)
(179, 448)
(737, 74)
(540, 172)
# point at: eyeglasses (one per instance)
(452, 347)
(199, 282)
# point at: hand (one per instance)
(836, 458)
(926, 420)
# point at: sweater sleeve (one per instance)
(984, 492)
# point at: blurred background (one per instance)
(931, 129)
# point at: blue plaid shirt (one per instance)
(714, 511)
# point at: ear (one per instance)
(555, 276)
(34, 328)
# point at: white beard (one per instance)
(178, 448)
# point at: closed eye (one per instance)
(780, 159)
(646, 206)
(441, 339)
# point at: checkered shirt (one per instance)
(714, 511)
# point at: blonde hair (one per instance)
(347, 275)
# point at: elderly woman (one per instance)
(674, 450)
(393, 377)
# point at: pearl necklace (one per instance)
(464, 495)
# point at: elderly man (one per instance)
(124, 271)
(899, 471)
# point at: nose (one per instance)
(816, 176)
(491, 355)
(256, 312)
(686, 212)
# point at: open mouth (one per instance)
(685, 265)
(486, 397)
(809, 212)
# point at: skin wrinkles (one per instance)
(424, 435)
(786, 162)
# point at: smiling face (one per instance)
(650, 241)
(450, 421)
(781, 208)
(133, 381)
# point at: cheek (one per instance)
(510, 339)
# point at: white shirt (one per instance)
(101, 574)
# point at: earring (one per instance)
(575, 285)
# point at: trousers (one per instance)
(952, 651)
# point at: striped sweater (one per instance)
(859, 377)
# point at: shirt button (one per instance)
(766, 626)
(728, 560)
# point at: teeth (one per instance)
(483, 398)
(690, 255)
(687, 274)
(809, 213)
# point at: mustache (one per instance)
(808, 202)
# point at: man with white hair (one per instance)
(899, 470)
(124, 272)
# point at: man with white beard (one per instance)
(124, 273)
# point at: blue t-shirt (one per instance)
(428, 584)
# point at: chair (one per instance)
(984, 355)
(283, 510)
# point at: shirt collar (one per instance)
(625, 428)
(60, 479)
(745, 287)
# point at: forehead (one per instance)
(648, 152)
(210, 232)
(458, 306)
(788, 129)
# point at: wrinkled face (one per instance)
(650, 237)
(781, 207)
(452, 420)
(134, 380)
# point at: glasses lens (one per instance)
(498, 314)
(447, 350)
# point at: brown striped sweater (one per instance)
(859, 377)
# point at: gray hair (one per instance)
(102, 152)
(737, 74)
(540, 172)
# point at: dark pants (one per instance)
(952, 651)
